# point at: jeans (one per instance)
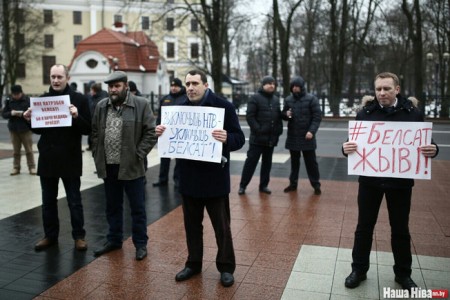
(218, 209)
(135, 191)
(399, 204)
(253, 154)
(312, 168)
(50, 219)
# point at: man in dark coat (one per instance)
(18, 129)
(60, 158)
(176, 96)
(207, 185)
(302, 111)
(388, 105)
(266, 126)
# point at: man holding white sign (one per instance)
(61, 117)
(204, 176)
(389, 177)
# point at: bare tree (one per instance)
(284, 34)
(22, 39)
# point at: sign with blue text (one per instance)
(188, 132)
(390, 149)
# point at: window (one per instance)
(47, 63)
(145, 23)
(170, 50)
(77, 17)
(76, 40)
(20, 70)
(48, 16)
(48, 41)
(169, 24)
(20, 41)
(194, 51)
(194, 25)
(170, 1)
(117, 19)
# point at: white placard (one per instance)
(188, 132)
(390, 149)
(50, 111)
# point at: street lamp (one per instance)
(436, 79)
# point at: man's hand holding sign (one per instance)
(390, 149)
(191, 132)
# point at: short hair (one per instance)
(198, 72)
(388, 75)
(96, 87)
(66, 69)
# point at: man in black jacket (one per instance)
(302, 111)
(60, 158)
(19, 130)
(266, 126)
(388, 105)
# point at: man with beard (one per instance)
(176, 96)
(123, 133)
(60, 157)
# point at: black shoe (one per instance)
(107, 247)
(290, 188)
(241, 191)
(354, 279)
(406, 282)
(265, 190)
(141, 253)
(185, 274)
(227, 279)
(160, 183)
(317, 190)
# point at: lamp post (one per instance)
(434, 79)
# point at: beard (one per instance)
(118, 98)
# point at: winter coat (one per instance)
(60, 147)
(171, 99)
(404, 111)
(306, 116)
(16, 123)
(203, 179)
(138, 136)
(264, 119)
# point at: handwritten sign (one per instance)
(50, 112)
(188, 132)
(390, 149)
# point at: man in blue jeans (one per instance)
(123, 133)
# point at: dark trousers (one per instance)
(164, 168)
(135, 191)
(399, 204)
(50, 219)
(253, 154)
(218, 209)
(312, 167)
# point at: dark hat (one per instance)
(116, 76)
(267, 79)
(132, 86)
(176, 82)
(16, 89)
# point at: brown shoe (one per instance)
(44, 244)
(32, 171)
(14, 172)
(80, 245)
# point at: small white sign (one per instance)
(188, 132)
(390, 149)
(50, 112)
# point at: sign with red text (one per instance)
(50, 111)
(390, 149)
(188, 132)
